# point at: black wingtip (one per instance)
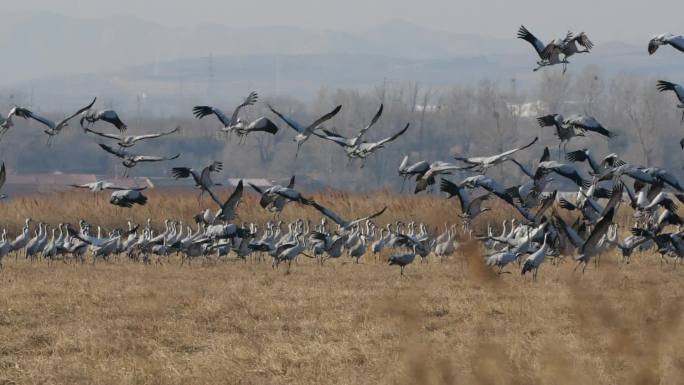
(448, 187)
(522, 32)
(663, 86)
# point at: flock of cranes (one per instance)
(538, 231)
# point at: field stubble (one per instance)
(234, 322)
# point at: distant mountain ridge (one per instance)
(122, 59)
(58, 45)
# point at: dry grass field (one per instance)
(340, 323)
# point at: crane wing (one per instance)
(583, 40)
(371, 124)
(36, 117)
(453, 189)
(377, 214)
(668, 86)
(112, 117)
(184, 172)
(373, 146)
(118, 153)
(289, 121)
(202, 111)
(330, 214)
(263, 124)
(523, 168)
(149, 158)
(102, 134)
(155, 135)
(249, 101)
(79, 112)
(599, 231)
(526, 35)
(677, 42)
(3, 175)
(323, 119)
(547, 120)
(234, 198)
(334, 137)
(257, 189)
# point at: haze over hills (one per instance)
(123, 58)
(66, 45)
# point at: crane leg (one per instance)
(576, 266)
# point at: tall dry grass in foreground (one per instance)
(243, 323)
(449, 323)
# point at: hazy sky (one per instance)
(631, 21)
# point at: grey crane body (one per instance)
(54, 128)
(228, 209)
(675, 41)
(128, 141)
(482, 164)
(235, 123)
(535, 260)
(131, 160)
(110, 116)
(305, 132)
(128, 198)
(402, 260)
(591, 246)
(470, 208)
(202, 179)
(549, 54)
